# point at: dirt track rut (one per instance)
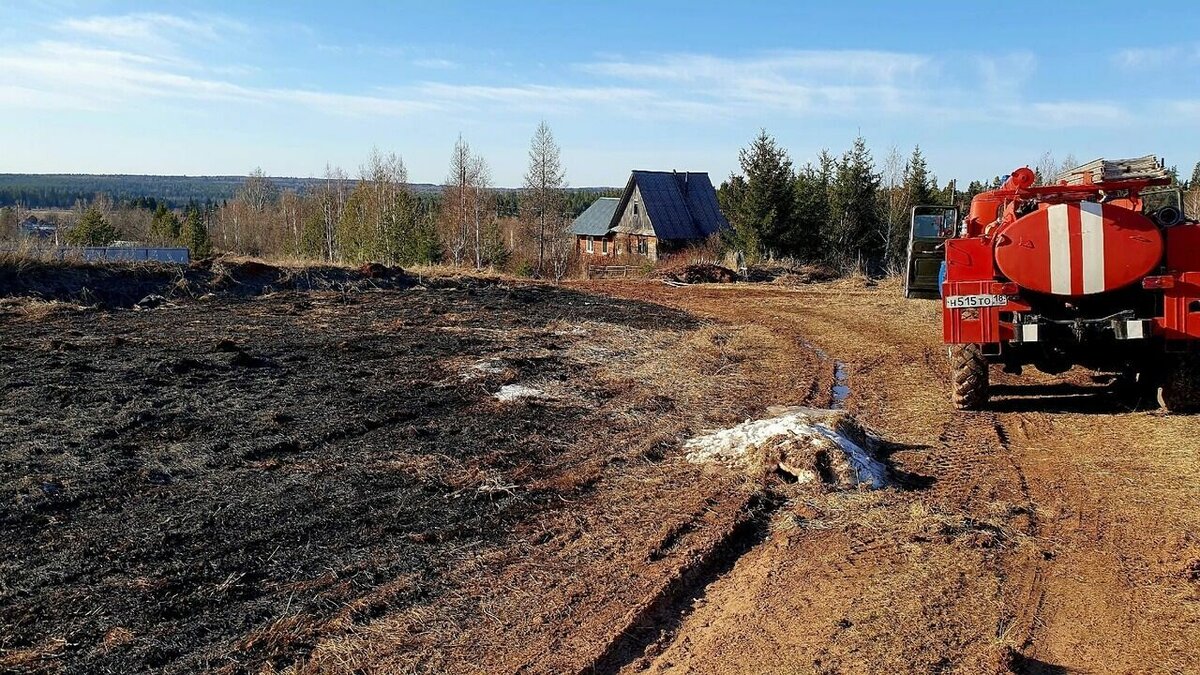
(1056, 533)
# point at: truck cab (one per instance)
(930, 227)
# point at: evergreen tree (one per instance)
(165, 225)
(742, 236)
(1194, 183)
(762, 205)
(93, 229)
(195, 234)
(852, 235)
(811, 210)
(918, 184)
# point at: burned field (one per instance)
(256, 482)
(239, 468)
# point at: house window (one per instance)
(591, 245)
(604, 246)
(643, 247)
(635, 208)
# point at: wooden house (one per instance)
(658, 213)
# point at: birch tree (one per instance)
(457, 202)
(897, 203)
(544, 182)
(388, 203)
(481, 206)
(332, 196)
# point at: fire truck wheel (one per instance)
(1138, 388)
(1180, 391)
(969, 385)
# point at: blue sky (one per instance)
(222, 88)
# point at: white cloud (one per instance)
(1167, 56)
(65, 75)
(435, 64)
(1076, 113)
(153, 29)
(798, 81)
(839, 83)
(119, 62)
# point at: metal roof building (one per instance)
(677, 205)
(597, 219)
(662, 204)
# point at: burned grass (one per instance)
(325, 480)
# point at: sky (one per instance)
(206, 88)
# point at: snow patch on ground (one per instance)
(513, 392)
(807, 444)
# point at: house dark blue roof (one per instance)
(597, 219)
(679, 205)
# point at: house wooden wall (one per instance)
(634, 218)
(633, 227)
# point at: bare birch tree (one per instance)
(456, 202)
(896, 202)
(560, 246)
(544, 182)
(332, 194)
(386, 180)
(481, 207)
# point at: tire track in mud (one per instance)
(977, 467)
(657, 620)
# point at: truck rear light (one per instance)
(1004, 288)
(1159, 282)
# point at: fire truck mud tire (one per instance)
(1180, 391)
(969, 381)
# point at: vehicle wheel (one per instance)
(1180, 391)
(969, 381)
(1137, 387)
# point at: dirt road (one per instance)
(1057, 533)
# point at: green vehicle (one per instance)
(931, 227)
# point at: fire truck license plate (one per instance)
(972, 301)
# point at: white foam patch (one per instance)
(737, 445)
(513, 392)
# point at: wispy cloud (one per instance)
(1157, 57)
(797, 81)
(49, 71)
(154, 29)
(435, 64)
(116, 62)
(977, 88)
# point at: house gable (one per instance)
(670, 205)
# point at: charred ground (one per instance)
(223, 476)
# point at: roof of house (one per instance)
(679, 205)
(597, 219)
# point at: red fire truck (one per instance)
(1097, 267)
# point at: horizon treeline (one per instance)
(847, 210)
(374, 216)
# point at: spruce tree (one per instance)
(762, 205)
(918, 184)
(853, 233)
(195, 235)
(811, 210)
(165, 225)
(93, 229)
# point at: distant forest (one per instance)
(64, 190)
